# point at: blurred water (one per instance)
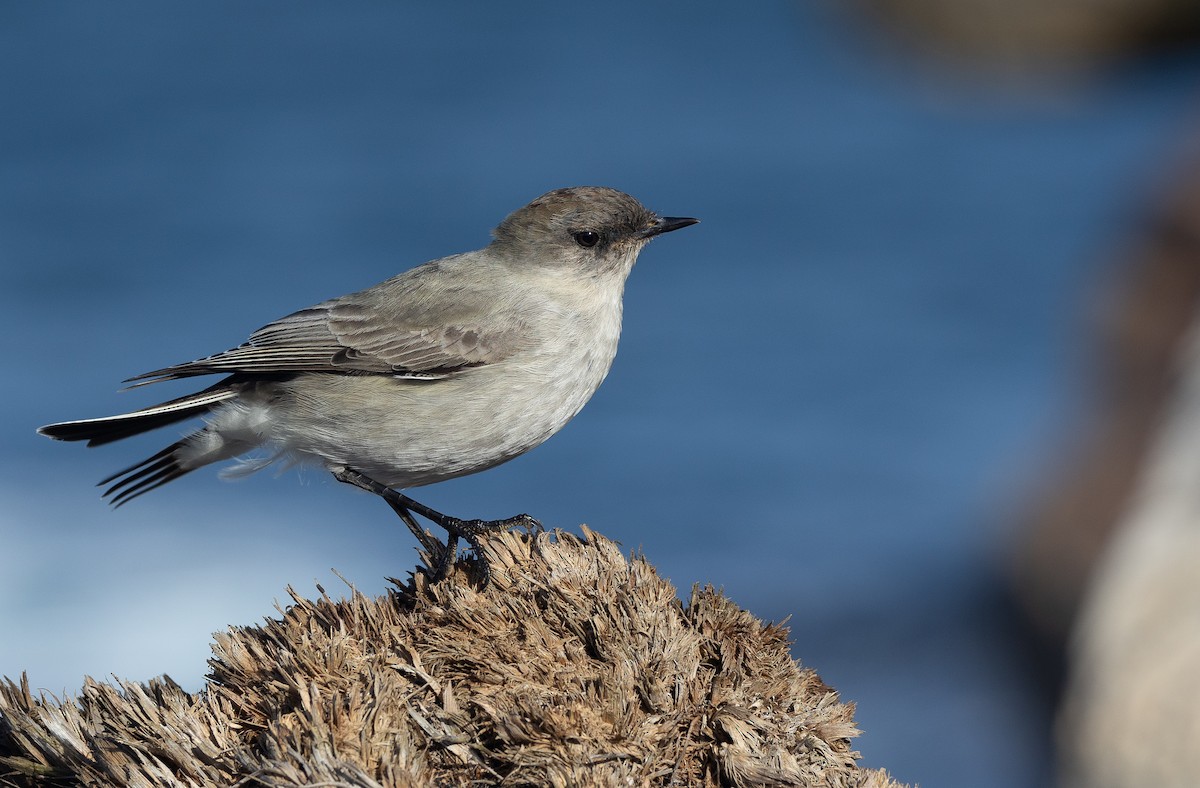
(823, 394)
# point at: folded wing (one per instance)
(358, 333)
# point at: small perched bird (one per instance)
(447, 369)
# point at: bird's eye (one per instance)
(586, 238)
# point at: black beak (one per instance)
(666, 224)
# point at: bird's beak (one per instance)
(666, 224)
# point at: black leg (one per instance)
(431, 545)
(468, 530)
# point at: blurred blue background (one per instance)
(828, 394)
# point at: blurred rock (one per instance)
(1138, 338)
(1132, 712)
(573, 667)
(1139, 332)
(1109, 571)
(1024, 34)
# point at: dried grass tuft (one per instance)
(573, 667)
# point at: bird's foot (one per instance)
(441, 556)
(471, 531)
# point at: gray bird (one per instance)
(447, 369)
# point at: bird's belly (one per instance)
(407, 433)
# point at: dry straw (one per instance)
(573, 667)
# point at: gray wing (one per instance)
(395, 328)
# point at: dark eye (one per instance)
(586, 238)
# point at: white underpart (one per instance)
(233, 429)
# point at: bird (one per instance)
(447, 369)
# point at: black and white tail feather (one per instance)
(154, 471)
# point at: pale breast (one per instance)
(406, 433)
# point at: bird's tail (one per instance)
(143, 477)
(154, 471)
(107, 429)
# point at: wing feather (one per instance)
(390, 329)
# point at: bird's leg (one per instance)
(432, 546)
(468, 530)
(444, 556)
